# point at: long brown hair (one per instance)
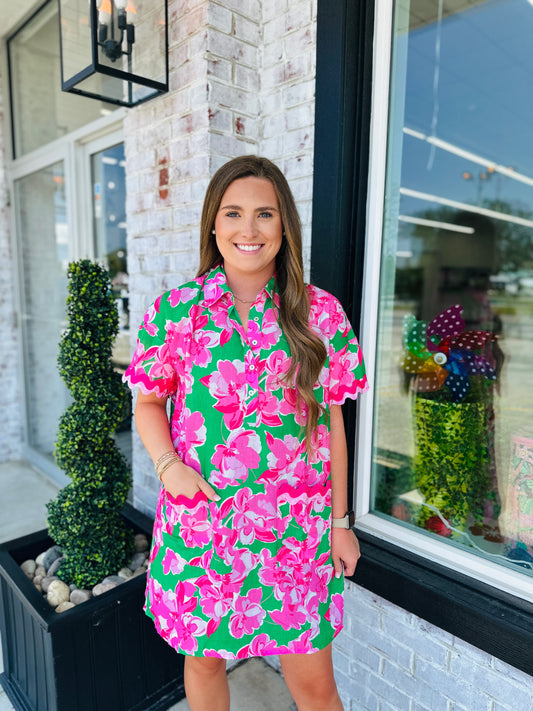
(308, 353)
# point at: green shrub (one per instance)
(85, 519)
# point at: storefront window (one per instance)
(453, 411)
(41, 111)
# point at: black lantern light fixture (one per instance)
(114, 50)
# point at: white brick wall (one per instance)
(242, 80)
(389, 660)
(10, 432)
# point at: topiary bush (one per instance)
(85, 519)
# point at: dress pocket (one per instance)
(188, 521)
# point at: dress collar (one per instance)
(215, 286)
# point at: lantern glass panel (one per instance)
(115, 53)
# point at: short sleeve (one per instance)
(152, 368)
(346, 375)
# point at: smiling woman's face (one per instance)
(248, 229)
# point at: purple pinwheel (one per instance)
(442, 352)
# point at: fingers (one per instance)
(208, 490)
(339, 568)
(183, 480)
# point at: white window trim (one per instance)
(420, 543)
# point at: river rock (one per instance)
(58, 562)
(67, 605)
(47, 581)
(58, 592)
(141, 543)
(28, 568)
(103, 587)
(113, 579)
(40, 570)
(140, 571)
(78, 596)
(125, 573)
(40, 558)
(50, 555)
(137, 560)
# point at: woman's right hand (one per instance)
(182, 480)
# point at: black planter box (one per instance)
(103, 655)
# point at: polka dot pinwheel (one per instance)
(441, 353)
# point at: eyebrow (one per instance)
(238, 207)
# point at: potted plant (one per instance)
(102, 654)
(452, 372)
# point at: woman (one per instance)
(245, 561)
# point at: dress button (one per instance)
(254, 343)
(252, 367)
(256, 318)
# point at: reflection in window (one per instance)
(453, 446)
(43, 244)
(41, 111)
(109, 216)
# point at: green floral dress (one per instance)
(251, 574)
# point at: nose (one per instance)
(249, 227)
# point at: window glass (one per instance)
(108, 177)
(44, 252)
(41, 111)
(453, 414)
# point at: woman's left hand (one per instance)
(344, 551)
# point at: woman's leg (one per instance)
(310, 680)
(206, 684)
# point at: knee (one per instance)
(205, 666)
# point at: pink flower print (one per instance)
(277, 364)
(289, 617)
(291, 406)
(195, 529)
(228, 386)
(220, 318)
(340, 381)
(255, 516)
(260, 646)
(173, 563)
(270, 330)
(213, 287)
(335, 611)
(248, 614)
(181, 296)
(235, 457)
(302, 645)
(178, 336)
(188, 629)
(267, 409)
(321, 451)
(193, 432)
(215, 598)
(150, 327)
(283, 452)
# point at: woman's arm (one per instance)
(344, 544)
(153, 427)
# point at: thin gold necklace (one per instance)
(243, 301)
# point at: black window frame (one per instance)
(492, 620)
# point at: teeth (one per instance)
(249, 247)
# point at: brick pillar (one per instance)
(241, 81)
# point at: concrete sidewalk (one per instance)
(254, 685)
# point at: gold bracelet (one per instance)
(164, 462)
(167, 455)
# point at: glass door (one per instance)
(108, 183)
(44, 252)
